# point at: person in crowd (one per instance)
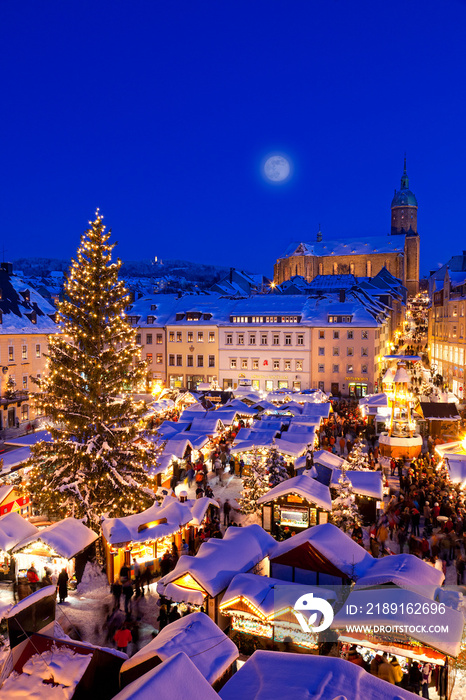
(116, 593)
(226, 512)
(32, 577)
(425, 681)
(127, 595)
(397, 670)
(47, 577)
(123, 637)
(63, 585)
(385, 670)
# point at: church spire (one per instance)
(404, 179)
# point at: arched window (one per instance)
(335, 268)
(368, 268)
(351, 268)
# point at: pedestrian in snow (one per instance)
(174, 614)
(47, 577)
(426, 676)
(128, 594)
(116, 591)
(226, 513)
(162, 618)
(122, 638)
(33, 577)
(62, 585)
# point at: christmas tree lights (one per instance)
(255, 485)
(276, 469)
(92, 466)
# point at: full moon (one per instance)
(277, 168)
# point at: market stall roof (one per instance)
(291, 448)
(457, 467)
(375, 400)
(407, 358)
(303, 486)
(276, 675)
(275, 424)
(177, 678)
(196, 439)
(209, 424)
(169, 427)
(23, 604)
(328, 459)
(251, 433)
(265, 405)
(157, 521)
(364, 483)
(176, 446)
(403, 570)
(210, 650)
(326, 541)
(216, 563)
(300, 428)
(269, 596)
(438, 411)
(67, 538)
(14, 458)
(227, 414)
(241, 408)
(397, 598)
(321, 410)
(13, 529)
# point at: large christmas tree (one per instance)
(92, 466)
(255, 484)
(357, 459)
(345, 513)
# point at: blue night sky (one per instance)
(161, 114)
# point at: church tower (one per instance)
(404, 222)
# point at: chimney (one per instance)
(342, 296)
(6, 267)
(183, 496)
(231, 274)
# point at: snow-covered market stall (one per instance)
(294, 504)
(13, 529)
(202, 580)
(405, 623)
(55, 547)
(261, 611)
(211, 651)
(145, 537)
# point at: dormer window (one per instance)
(150, 319)
(153, 307)
(26, 295)
(33, 317)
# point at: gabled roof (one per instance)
(303, 486)
(67, 538)
(14, 529)
(403, 570)
(439, 411)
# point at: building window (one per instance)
(368, 269)
(200, 360)
(364, 352)
(287, 364)
(364, 369)
(336, 351)
(138, 338)
(241, 339)
(24, 352)
(211, 337)
(25, 381)
(335, 368)
(233, 363)
(349, 335)
(321, 351)
(37, 350)
(364, 335)
(350, 351)
(158, 358)
(25, 416)
(351, 268)
(190, 360)
(255, 364)
(299, 365)
(11, 354)
(287, 339)
(179, 361)
(321, 368)
(200, 336)
(454, 331)
(149, 357)
(190, 336)
(300, 340)
(276, 339)
(264, 339)
(149, 339)
(252, 340)
(211, 360)
(244, 363)
(159, 339)
(276, 364)
(179, 337)
(349, 369)
(229, 340)
(321, 334)
(171, 336)
(336, 335)
(269, 384)
(171, 360)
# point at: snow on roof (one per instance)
(13, 529)
(30, 599)
(14, 458)
(293, 448)
(270, 595)
(328, 459)
(67, 538)
(5, 491)
(241, 407)
(175, 514)
(30, 439)
(375, 399)
(336, 546)
(210, 650)
(276, 675)
(403, 570)
(309, 489)
(218, 561)
(177, 678)
(176, 446)
(210, 424)
(227, 414)
(448, 643)
(363, 483)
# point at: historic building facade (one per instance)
(365, 256)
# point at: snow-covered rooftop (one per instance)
(210, 650)
(13, 529)
(365, 483)
(67, 538)
(275, 675)
(403, 570)
(309, 489)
